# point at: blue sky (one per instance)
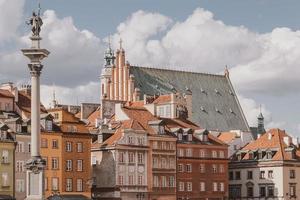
(102, 17)
(258, 39)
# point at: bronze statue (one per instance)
(36, 22)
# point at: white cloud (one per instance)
(252, 109)
(89, 92)
(10, 18)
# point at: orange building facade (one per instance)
(67, 153)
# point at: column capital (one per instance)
(35, 69)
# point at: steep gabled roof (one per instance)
(214, 93)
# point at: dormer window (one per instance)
(269, 155)
(18, 128)
(161, 129)
(130, 140)
(260, 155)
(190, 137)
(251, 156)
(48, 125)
(239, 156)
(180, 136)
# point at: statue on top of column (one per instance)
(36, 23)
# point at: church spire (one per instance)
(109, 55)
(260, 122)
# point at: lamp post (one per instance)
(35, 166)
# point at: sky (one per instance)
(259, 40)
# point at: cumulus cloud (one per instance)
(75, 59)
(89, 92)
(10, 18)
(252, 109)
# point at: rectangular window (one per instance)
(68, 146)
(188, 152)
(249, 175)
(29, 147)
(188, 168)
(262, 175)
(270, 191)
(262, 191)
(214, 169)
(20, 185)
(214, 154)
(238, 175)
(121, 157)
(292, 190)
(222, 154)
(79, 185)
(5, 156)
(54, 144)
(48, 125)
(155, 181)
(130, 178)
(79, 147)
(140, 180)
(5, 179)
(171, 181)
(168, 111)
(94, 160)
(164, 163)
(79, 165)
(164, 181)
(155, 146)
(181, 186)
(141, 141)
(69, 165)
(231, 176)
(180, 168)
(189, 186)
(54, 163)
(69, 185)
(121, 180)
(202, 186)
(250, 191)
(202, 153)
(181, 152)
(44, 143)
(215, 186)
(292, 174)
(190, 137)
(140, 158)
(130, 140)
(221, 169)
(54, 184)
(270, 174)
(131, 157)
(202, 168)
(20, 147)
(222, 187)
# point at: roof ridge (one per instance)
(280, 143)
(178, 70)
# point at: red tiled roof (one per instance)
(163, 99)
(24, 102)
(226, 136)
(272, 139)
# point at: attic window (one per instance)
(179, 136)
(269, 155)
(190, 137)
(251, 156)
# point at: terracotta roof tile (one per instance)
(163, 99)
(272, 139)
(227, 136)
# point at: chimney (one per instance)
(269, 136)
(189, 103)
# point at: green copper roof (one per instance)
(215, 105)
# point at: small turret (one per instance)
(260, 124)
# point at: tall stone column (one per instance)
(35, 166)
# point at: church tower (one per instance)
(106, 74)
(260, 125)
